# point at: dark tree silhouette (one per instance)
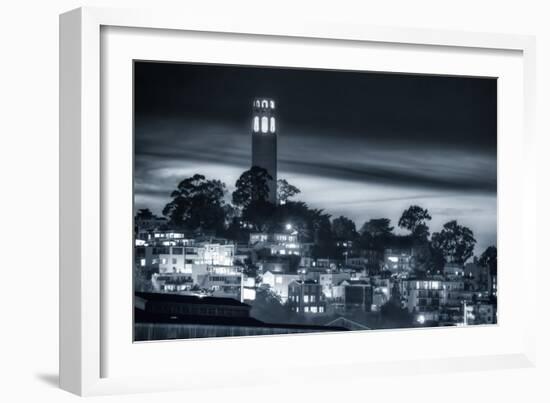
(144, 214)
(395, 316)
(197, 203)
(344, 228)
(489, 259)
(414, 219)
(455, 242)
(377, 227)
(251, 187)
(268, 307)
(285, 191)
(259, 213)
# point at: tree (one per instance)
(142, 278)
(259, 213)
(489, 259)
(436, 262)
(394, 315)
(414, 219)
(298, 215)
(144, 214)
(455, 242)
(377, 227)
(312, 225)
(248, 268)
(197, 203)
(321, 227)
(421, 233)
(251, 186)
(268, 307)
(344, 228)
(285, 191)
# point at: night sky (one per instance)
(358, 144)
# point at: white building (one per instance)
(183, 259)
(222, 285)
(278, 243)
(424, 295)
(329, 281)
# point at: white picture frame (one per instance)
(92, 359)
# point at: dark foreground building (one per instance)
(170, 316)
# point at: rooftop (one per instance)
(188, 299)
(146, 317)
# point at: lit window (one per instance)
(142, 262)
(306, 298)
(264, 103)
(256, 124)
(163, 261)
(306, 309)
(321, 309)
(278, 280)
(264, 124)
(272, 104)
(272, 125)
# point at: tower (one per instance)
(264, 141)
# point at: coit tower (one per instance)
(264, 141)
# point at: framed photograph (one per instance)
(312, 196)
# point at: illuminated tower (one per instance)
(264, 141)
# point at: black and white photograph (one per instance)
(274, 200)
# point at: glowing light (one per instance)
(393, 259)
(264, 124)
(288, 226)
(256, 124)
(421, 319)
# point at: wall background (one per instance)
(29, 202)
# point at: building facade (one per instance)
(183, 259)
(398, 260)
(306, 297)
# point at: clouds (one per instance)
(340, 157)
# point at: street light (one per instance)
(289, 226)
